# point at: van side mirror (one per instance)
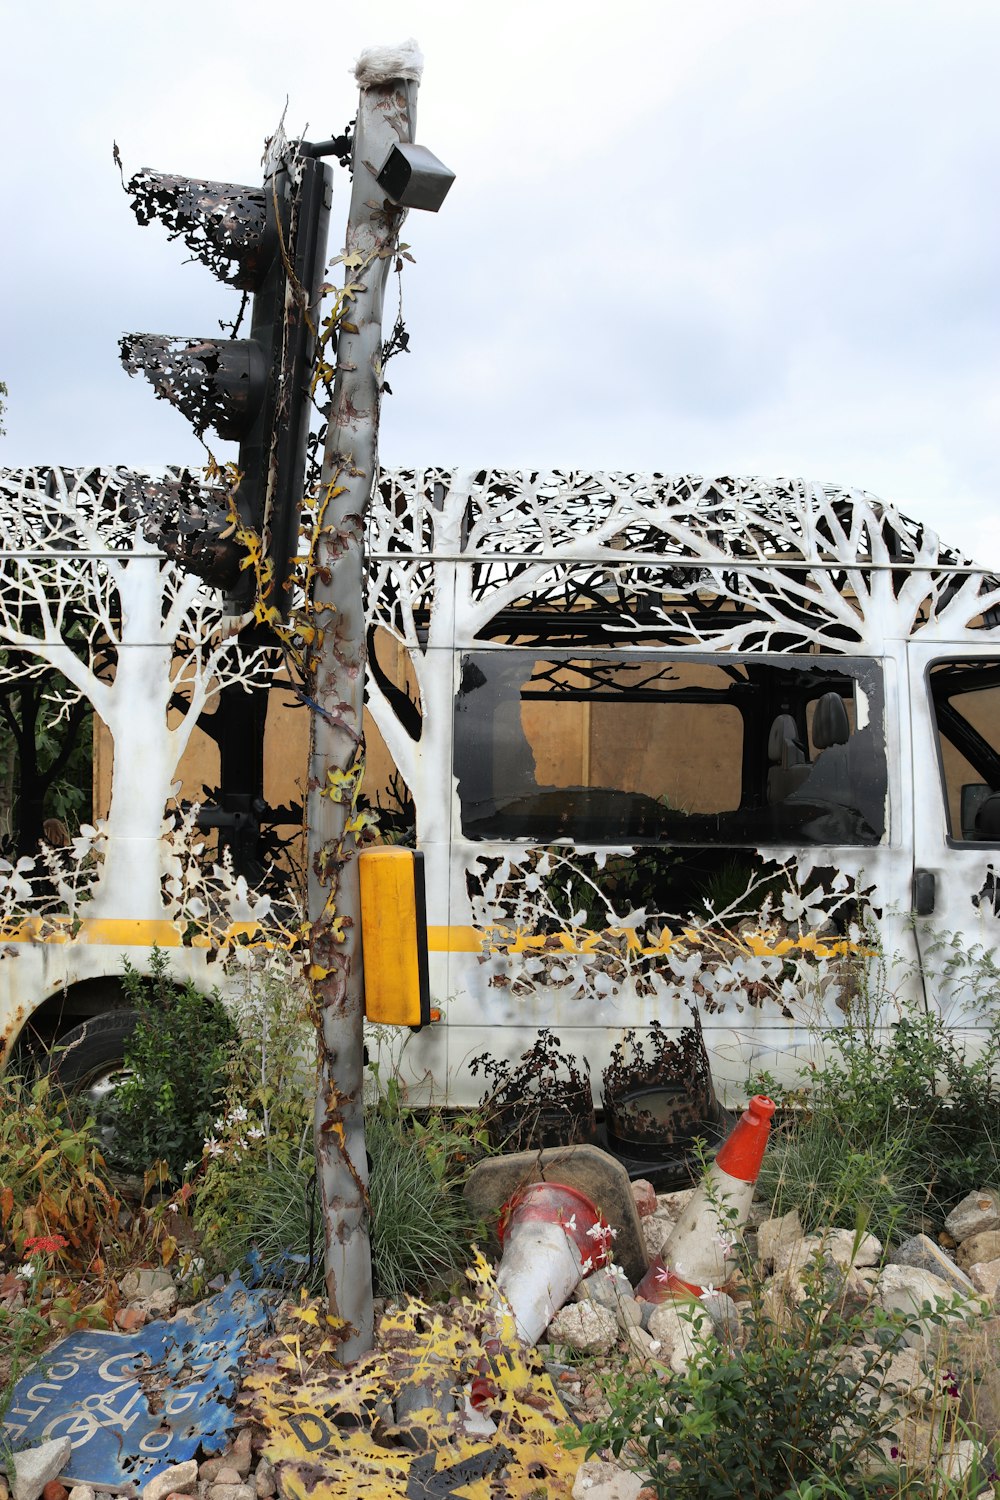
(973, 795)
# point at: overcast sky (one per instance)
(755, 236)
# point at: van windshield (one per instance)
(649, 749)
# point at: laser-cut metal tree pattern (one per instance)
(145, 639)
(725, 564)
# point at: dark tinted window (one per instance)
(670, 750)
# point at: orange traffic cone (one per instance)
(699, 1251)
(552, 1237)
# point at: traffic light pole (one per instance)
(386, 117)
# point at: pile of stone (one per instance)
(945, 1381)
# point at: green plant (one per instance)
(255, 1163)
(52, 1175)
(164, 1104)
(805, 1408)
(902, 1117)
(256, 1187)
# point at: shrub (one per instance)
(902, 1119)
(52, 1176)
(803, 1410)
(163, 1107)
(257, 1185)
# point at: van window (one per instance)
(656, 749)
(966, 699)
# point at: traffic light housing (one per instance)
(270, 243)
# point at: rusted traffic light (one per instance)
(269, 242)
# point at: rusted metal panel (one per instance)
(133, 1404)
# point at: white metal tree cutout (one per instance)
(726, 564)
(146, 652)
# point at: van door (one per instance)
(955, 734)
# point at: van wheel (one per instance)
(89, 1059)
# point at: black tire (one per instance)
(87, 1059)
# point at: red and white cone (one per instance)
(699, 1252)
(552, 1237)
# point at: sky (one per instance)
(740, 236)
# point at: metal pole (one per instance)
(386, 116)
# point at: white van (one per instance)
(620, 701)
(662, 741)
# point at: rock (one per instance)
(231, 1492)
(656, 1230)
(674, 1204)
(629, 1313)
(179, 1479)
(679, 1328)
(976, 1213)
(961, 1459)
(4, 1488)
(34, 1467)
(774, 1234)
(644, 1194)
(905, 1372)
(597, 1480)
(265, 1483)
(985, 1277)
(642, 1343)
(725, 1315)
(919, 1443)
(980, 1407)
(241, 1453)
(921, 1251)
(137, 1286)
(160, 1304)
(841, 1246)
(228, 1475)
(983, 1246)
(904, 1289)
(128, 1319)
(55, 1490)
(583, 1327)
(607, 1286)
(82, 1492)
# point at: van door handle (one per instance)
(924, 892)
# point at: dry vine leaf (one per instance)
(333, 1434)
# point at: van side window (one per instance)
(966, 699)
(652, 749)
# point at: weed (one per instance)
(901, 1118)
(804, 1409)
(165, 1102)
(52, 1176)
(256, 1185)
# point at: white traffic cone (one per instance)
(552, 1237)
(699, 1251)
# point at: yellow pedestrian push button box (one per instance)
(394, 937)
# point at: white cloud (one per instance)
(758, 237)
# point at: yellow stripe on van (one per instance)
(118, 932)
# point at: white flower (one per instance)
(587, 1266)
(597, 1231)
(255, 1133)
(26, 1271)
(174, 1208)
(238, 1114)
(708, 1290)
(212, 1147)
(570, 1225)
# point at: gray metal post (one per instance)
(386, 116)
